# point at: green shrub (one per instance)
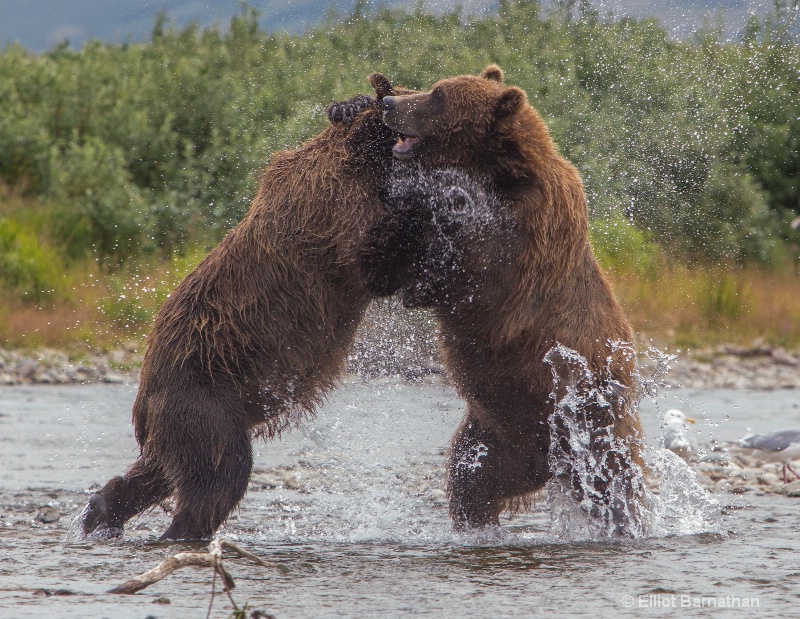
(29, 269)
(145, 147)
(98, 208)
(620, 246)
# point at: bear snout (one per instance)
(388, 103)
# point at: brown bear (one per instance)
(253, 339)
(509, 271)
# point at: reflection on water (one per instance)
(352, 506)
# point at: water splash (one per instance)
(598, 489)
(454, 197)
(683, 506)
(472, 459)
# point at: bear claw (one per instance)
(346, 111)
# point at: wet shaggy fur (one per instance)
(520, 286)
(254, 338)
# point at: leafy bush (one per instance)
(29, 269)
(98, 208)
(621, 246)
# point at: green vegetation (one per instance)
(117, 160)
(26, 267)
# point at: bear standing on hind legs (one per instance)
(254, 338)
(521, 279)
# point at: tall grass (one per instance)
(702, 306)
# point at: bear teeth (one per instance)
(405, 144)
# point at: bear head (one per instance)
(462, 121)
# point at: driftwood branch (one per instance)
(212, 559)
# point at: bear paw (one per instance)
(346, 111)
(96, 521)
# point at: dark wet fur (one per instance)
(507, 291)
(258, 334)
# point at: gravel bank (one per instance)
(47, 366)
(397, 342)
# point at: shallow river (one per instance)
(350, 505)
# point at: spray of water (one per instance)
(598, 490)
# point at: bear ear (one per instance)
(494, 73)
(511, 101)
(381, 84)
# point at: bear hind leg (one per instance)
(142, 486)
(209, 486)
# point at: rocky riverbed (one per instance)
(726, 469)
(47, 366)
(725, 367)
(731, 367)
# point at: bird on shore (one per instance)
(675, 431)
(782, 446)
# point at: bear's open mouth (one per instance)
(405, 144)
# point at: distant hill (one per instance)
(41, 24)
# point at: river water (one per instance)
(351, 507)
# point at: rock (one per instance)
(47, 515)
(438, 496)
(44, 377)
(117, 356)
(423, 487)
(718, 457)
(791, 490)
(114, 379)
(85, 374)
(266, 480)
(62, 377)
(769, 479)
(27, 368)
(748, 475)
(723, 485)
(781, 357)
(756, 350)
(706, 481)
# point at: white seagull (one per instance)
(782, 446)
(674, 431)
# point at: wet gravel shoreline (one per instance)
(726, 367)
(47, 366)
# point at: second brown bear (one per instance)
(509, 270)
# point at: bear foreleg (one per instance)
(487, 475)
(346, 111)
